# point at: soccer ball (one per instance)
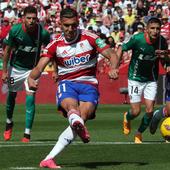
(165, 128)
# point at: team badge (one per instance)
(100, 43)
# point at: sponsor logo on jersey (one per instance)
(100, 43)
(28, 49)
(74, 61)
(64, 52)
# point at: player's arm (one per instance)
(119, 53)
(55, 71)
(36, 73)
(113, 58)
(6, 56)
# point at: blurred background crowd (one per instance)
(115, 21)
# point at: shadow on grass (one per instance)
(94, 165)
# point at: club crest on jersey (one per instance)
(100, 43)
(75, 61)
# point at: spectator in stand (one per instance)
(119, 12)
(110, 40)
(141, 9)
(51, 32)
(9, 13)
(158, 11)
(140, 28)
(1, 17)
(41, 15)
(70, 3)
(129, 17)
(166, 11)
(55, 6)
(150, 14)
(95, 5)
(136, 23)
(115, 33)
(165, 29)
(99, 24)
(22, 3)
(5, 27)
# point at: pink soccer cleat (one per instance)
(49, 164)
(81, 131)
(7, 134)
(25, 140)
(8, 131)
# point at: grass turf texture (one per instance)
(109, 149)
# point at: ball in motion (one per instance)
(165, 128)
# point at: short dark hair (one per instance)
(30, 9)
(68, 13)
(154, 20)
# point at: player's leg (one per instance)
(162, 112)
(158, 115)
(30, 110)
(14, 85)
(150, 91)
(70, 105)
(88, 103)
(66, 137)
(10, 104)
(69, 101)
(70, 133)
(145, 121)
(135, 92)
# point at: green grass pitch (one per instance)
(109, 149)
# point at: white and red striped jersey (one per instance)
(165, 31)
(76, 60)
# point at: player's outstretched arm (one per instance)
(119, 53)
(36, 73)
(113, 58)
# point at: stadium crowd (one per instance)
(115, 21)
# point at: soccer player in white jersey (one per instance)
(75, 52)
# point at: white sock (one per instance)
(27, 131)
(8, 121)
(73, 115)
(64, 140)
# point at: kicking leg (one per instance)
(64, 140)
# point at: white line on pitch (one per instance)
(23, 168)
(49, 143)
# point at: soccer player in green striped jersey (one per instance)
(22, 52)
(143, 74)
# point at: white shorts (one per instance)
(136, 89)
(17, 80)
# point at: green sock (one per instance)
(30, 110)
(129, 116)
(144, 123)
(10, 104)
